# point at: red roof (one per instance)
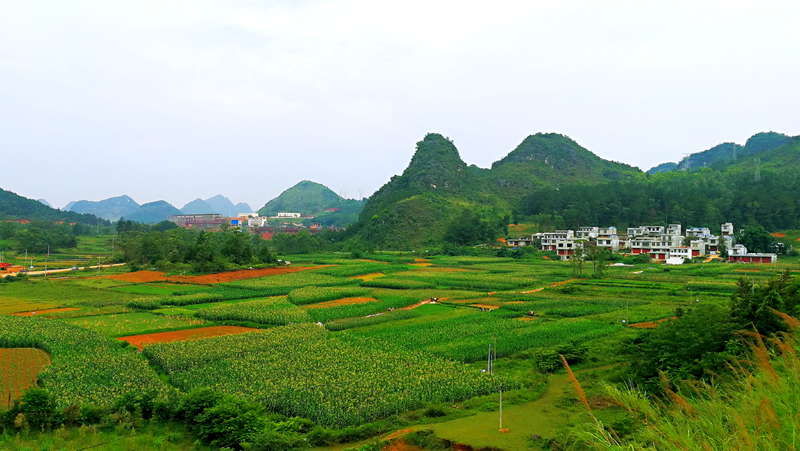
(5, 265)
(333, 209)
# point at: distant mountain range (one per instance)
(217, 204)
(153, 212)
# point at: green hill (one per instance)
(314, 199)
(550, 159)
(417, 207)
(663, 167)
(306, 197)
(197, 207)
(14, 206)
(111, 209)
(153, 212)
(726, 154)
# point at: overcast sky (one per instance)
(178, 100)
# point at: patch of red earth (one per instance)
(42, 312)
(778, 235)
(230, 276)
(421, 260)
(140, 341)
(401, 445)
(527, 318)
(345, 301)
(650, 324)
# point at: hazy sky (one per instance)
(178, 100)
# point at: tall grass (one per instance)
(758, 410)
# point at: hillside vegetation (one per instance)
(550, 159)
(417, 207)
(14, 206)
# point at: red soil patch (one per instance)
(545, 257)
(401, 445)
(489, 306)
(42, 312)
(778, 235)
(158, 276)
(502, 240)
(345, 301)
(420, 265)
(18, 370)
(140, 341)
(650, 324)
(527, 318)
(421, 260)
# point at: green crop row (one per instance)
(304, 370)
(466, 338)
(87, 368)
(273, 311)
(312, 295)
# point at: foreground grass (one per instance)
(151, 436)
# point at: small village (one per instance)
(669, 244)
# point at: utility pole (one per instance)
(501, 407)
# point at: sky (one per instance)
(178, 100)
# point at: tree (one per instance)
(598, 256)
(756, 239)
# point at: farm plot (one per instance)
(285, 283)
(130, 323)
(572, 307)
(312, 295)
(275, 311)
(350, 269)
(230, 276)
(86, 367)
(465, 338)
(140, 341)
(18, 370)
(305, 370)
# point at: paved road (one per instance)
(56, 271)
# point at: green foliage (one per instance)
(86, 368)
(756, 239)
(312, 295)
(273, 311)
(14, 206)
(469, 229)
(683, 348)
(205, 251)
(476, 330)
(550, 159)
(706, 197)
(304, 370)
(38, 237)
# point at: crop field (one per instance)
(19, 368)
(344, 343)
(131, 323)
(304, 370)
(275, 311)
(86, 368)
(465, 338)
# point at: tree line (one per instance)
(701, 198)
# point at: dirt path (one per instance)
(550, 285)
(158, 276)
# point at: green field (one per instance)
(372, 366)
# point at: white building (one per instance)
(289, 215)
(549, 239)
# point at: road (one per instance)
(56, 271)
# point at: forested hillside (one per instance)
(112, 208)
(550, 159)
(14, 206)
(420, 205)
